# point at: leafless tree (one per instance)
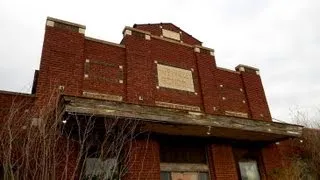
(58, 145)
(302, 155)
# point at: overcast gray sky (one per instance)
(280, 37)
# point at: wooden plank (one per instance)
(165, 115)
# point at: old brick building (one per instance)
(204, 121)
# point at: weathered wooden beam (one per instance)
(164, 115)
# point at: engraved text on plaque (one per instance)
(175, 78)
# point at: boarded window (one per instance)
(184, 176)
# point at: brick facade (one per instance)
(76, 65)
(129, 71)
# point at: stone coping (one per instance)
(66, 22)
(248, 67)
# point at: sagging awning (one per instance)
(180, 122)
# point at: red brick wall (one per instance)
(139, 68)
(67, 155)
(155, 29)
(231, 92)
(175, 55)
(223, 164)
(240, 92)
(272, 159)
(206, 67)
(62, 63)
(256, 98)
(131, 72)
(105, 69)
(16, 105)
(144, 161)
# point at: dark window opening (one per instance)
(183, 158)
(183, 151)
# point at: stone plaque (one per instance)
(175, 78)
(171, 34)
(237, 114)
(102, 96)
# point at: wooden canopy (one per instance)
(180, 122)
